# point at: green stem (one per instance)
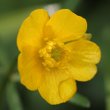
(9, 72)
(107, 88)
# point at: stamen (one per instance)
(53, 55)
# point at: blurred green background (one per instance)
(14, 96)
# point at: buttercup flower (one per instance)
(55, 52)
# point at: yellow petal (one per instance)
(56, 87)
(83, 72)
(67, 89)
(30, 68)
(84, 51)
(31, 31)
(65, 25)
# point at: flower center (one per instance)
(56, 54)
(53, 55)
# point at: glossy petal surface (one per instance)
(31, 31)
(65, 25)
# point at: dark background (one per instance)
(14, 96)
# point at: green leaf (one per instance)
(80, 100)
(13, 99)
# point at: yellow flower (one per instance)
(54, 52)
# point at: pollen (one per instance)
(53, 54)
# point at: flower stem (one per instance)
(9, 72)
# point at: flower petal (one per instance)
(67, 89)
(65, 25)
(31, 31)
(57, 87)
(83, 72)
(84, 51)
(30, 68)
